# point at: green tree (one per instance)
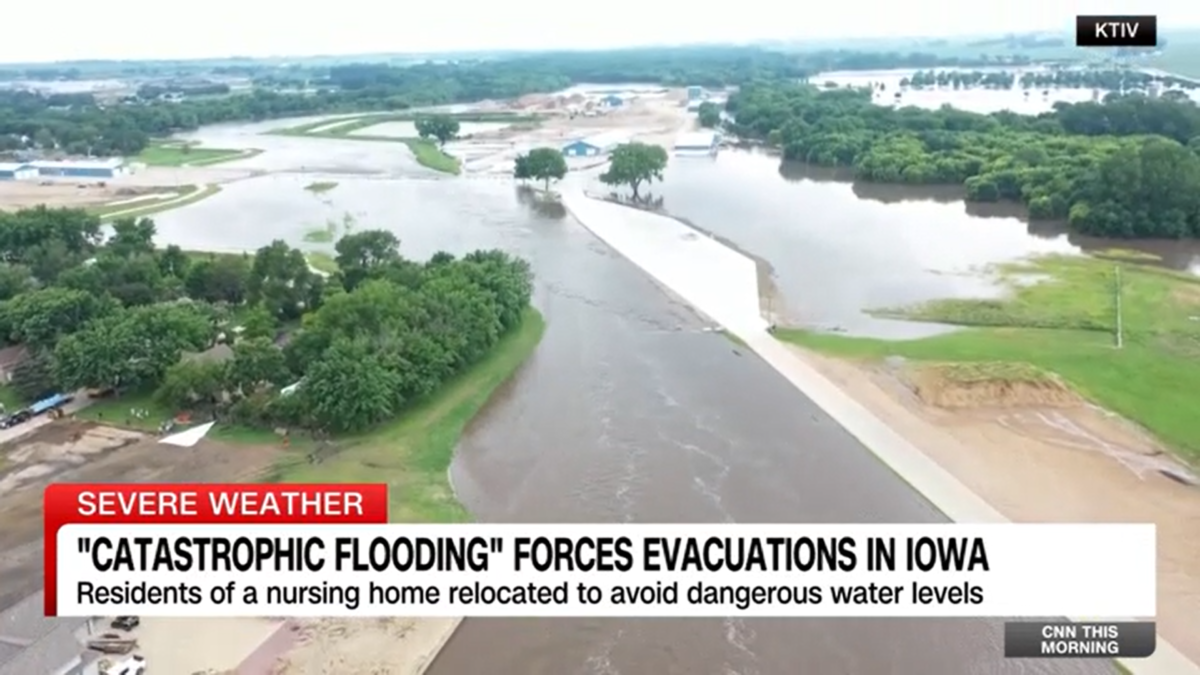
(130, 348)
(442, 128)
(14, 280)
(521, 170)
(258, 322)
(33, 378)
(189, 384)
(633, 164)
(544, 164)
(132, 236)
(363, 254)
(709, 115)
(349, 388)
(255, 363)
(281, 280)
(40, 318)
(223, 278)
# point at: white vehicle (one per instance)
(127, 665)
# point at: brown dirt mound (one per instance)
(989, 385)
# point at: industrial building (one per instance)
(695, 93)
(10, 171)
(697, 143)
(594, 146)
(96, 169)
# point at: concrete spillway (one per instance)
(723, 284)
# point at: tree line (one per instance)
(1119, 80)
(114, 312)
(1125, 167)
(78, 125)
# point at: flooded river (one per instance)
(630, 411)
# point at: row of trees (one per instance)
(1108, 80)
(1126, 167)
(118, 313)
(79, 126)
(630, 165)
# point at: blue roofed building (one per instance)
(612, 101)
(594, 146)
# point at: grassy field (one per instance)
(175, 153)
(348, 125)
(427, 153)
(185, 195)
(1067, 324)
(430, 156)
(411, 454)
(321, 261)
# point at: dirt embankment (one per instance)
(1027, 444)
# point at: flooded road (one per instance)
(628, 411)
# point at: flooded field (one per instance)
(1019, 100)
(628, 411)
(837, 248)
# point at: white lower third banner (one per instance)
(477, 570)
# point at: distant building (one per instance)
(17, 171)
(98, 169)
(594, 146)
(698, 143)
(695, 93)
(612, 101)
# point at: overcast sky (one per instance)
(154, 29)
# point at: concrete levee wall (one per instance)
(723, 284)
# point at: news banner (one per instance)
(328, 551)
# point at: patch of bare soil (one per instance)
(80, 452)
(1039, 454)
(942, 386)
(20, 194)
(387, 646)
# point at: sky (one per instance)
(153, 29)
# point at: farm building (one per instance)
(699, 142)
(92, 168)
(612, 101)
(594, 146)
(17, 171)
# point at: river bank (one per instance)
(653, 243)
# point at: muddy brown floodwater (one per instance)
(628, 412)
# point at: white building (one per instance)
(10, 171)
(94, 169)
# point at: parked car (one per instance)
(126, 623)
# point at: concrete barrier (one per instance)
(723, 284)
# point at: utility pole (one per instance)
(1120, 318)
